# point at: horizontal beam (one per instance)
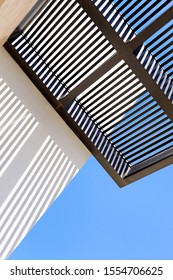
(92, 78)
(150, 165)
(126, 53)
(151, 29)
(32, 76)
(12, 13)
(59, 108)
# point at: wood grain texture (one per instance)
(11, 14)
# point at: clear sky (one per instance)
(94, 219)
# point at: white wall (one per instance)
(39, 154)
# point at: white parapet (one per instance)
(39, 154)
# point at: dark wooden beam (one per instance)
(151, 29)
(126, 52)
(98, 73)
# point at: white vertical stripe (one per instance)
(42, 181)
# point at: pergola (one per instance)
(105, 67)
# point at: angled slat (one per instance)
(126, 53)
(151, 29)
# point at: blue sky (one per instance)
(94, 219)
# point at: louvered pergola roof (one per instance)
(106, 68)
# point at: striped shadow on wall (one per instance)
(40, 184)
(39, 155)
(17, 125)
